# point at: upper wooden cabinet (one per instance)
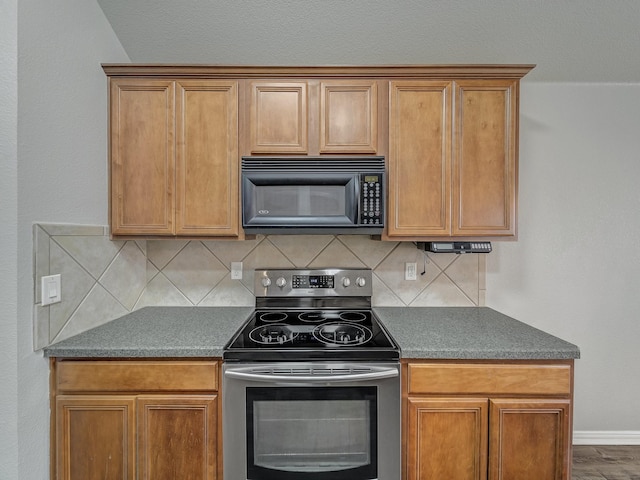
(449, 134)
(419, 159)
(485, 139)
(349, 116)
(313, 117)
(279, 117)
(174, 157)
(453, 158)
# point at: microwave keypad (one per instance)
(371, 195)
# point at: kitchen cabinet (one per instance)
(127, 419)
(173, 157)
(311, 117)
(453, 148)
(478, 421)
(449, 134)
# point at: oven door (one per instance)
(315, 421)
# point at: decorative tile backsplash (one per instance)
(103, 279)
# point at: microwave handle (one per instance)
(306, 379)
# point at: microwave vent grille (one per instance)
(345, 164)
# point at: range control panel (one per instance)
(326, 282)
(455, 247)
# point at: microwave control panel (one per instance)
(371, 199)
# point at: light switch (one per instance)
(51, 290)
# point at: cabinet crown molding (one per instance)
(515, 71)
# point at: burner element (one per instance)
(273, 317)
(352, 316)
(312, 317)
(342, 333)
(276, 333)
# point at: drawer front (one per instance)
(489, 379)
(136, 376)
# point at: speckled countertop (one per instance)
(433, 332)
(470, 333)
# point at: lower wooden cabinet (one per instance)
(447, 438)
(95, 437)
(487, 421)
(529, 439)
(110, 423)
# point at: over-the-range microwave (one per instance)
(313, 195)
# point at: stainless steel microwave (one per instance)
(313, 195)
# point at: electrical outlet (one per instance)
(410, 269)
(236, 270)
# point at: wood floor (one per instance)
(611, 462)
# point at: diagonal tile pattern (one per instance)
(195, 271)
(104, 279)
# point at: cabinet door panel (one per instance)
(529, 439)
(485, 158)
(177, 437)
(447, 439)
(419, 158)
(348, 116)
(142, 156)
(279, 117)
(95, 437)
(207, 158)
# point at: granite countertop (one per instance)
(470, 333)
(158, 332)
(429, 333)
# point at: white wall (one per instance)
(62, 174)
(575, 270)
(8, 238)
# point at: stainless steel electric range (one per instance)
(311, 385)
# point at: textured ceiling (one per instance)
(569, 40)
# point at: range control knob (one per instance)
(281, 282)
(361, 282)
(266, 281)
(346, 282)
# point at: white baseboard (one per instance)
(625, 437)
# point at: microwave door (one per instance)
(292, 201)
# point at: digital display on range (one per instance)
(312, 281)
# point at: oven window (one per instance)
(312, 433)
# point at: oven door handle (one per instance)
(376, 374)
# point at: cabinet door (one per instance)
(279, 122)
(349, 116)
(485, 157)
(95, 437)
(177, 437)
(419, 159)
(142, 156)
(529, 439)
(207, 158)
(447, 439)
